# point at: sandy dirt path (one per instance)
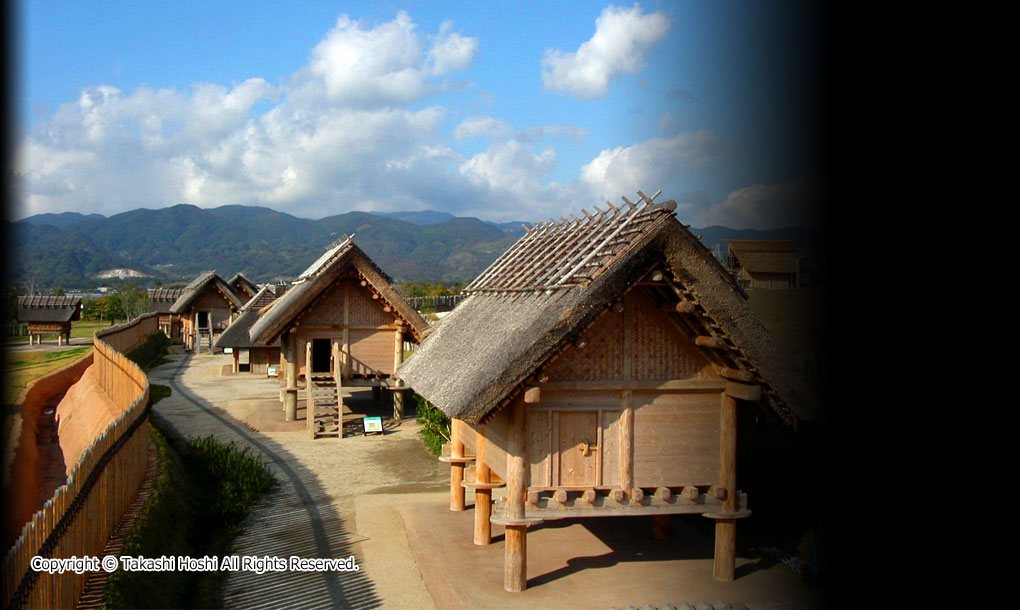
(312, 513)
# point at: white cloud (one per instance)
(621, 41)
(482, 126)
(651, 164)
(765, 206)
(388, 64)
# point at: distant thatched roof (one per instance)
(237, 334)
(162, 299)
(318, 277)
(243, 287)
(550, 285)
(42, 308)
(198, 286)
(765, 255)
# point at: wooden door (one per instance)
(578, 448)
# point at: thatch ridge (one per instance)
(198, 285)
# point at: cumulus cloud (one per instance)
(651, 164)
(390, 63)
(622, 40)
(765, 206)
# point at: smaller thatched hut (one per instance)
(206, 306)
(49, 314)
(765, 263)
(243, 287)
(236, 336)
(161, 300)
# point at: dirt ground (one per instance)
(384, 499)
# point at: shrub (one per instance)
(435, 425)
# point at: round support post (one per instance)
(290, 390)
(724, 563)
(456, 468)
(483, 497)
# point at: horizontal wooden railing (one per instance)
(82, 514)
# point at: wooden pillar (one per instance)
(483, 497)
(196, 337)
(515, 566)
(237, 360)
(625, 464)
(726, 529)
(398, 348)
(290, 391)
(398, 401)
(456, 468)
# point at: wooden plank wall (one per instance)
(675, 434)
(82, 514)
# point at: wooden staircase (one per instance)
(324, 406)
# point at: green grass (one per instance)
(23, 367)
(204, 490)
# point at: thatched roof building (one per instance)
(243, 287)
(48, 314)
(237, 336)
(596, 369)
(206, 306)
(765, 263)
(557, 279)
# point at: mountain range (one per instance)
(173, 244)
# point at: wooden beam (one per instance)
(683, 307)
(724, 563)
(672, 385)
(533, 395)
(663, 493)
(743, 391)
(515, 568)
(710, 342)
(736, 375)
(560, 496)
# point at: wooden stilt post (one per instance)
(515, 567)
(290, 391)
(237, 360)
(398, 401)
(726, 529)
(483, 496)
(456, 468)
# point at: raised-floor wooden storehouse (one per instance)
(242, 287)
(597, 369)
(161, 300)
(206, 306)
(237, 337)
(340, 323)
(765, 263)
(48, 314)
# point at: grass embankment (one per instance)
(203, 492)
(23, 367)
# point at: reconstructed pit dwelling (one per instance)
(597, 369)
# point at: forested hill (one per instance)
(174, 244)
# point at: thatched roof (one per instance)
(550, 285)
(237, 334)
(162, 299)
(765, 255)
(338, 259)
(198, 286)
(243, 287)
(44, 308)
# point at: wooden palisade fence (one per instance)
(79, 518)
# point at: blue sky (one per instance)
(482, 109)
